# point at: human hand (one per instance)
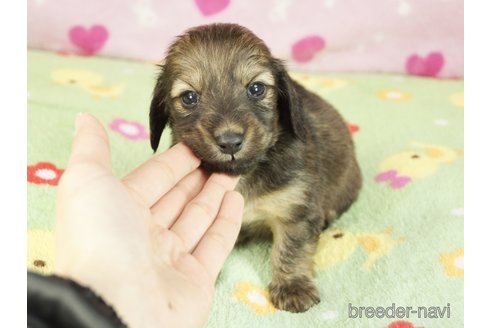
(151, 244)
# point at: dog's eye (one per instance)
(256, 89)
(189, 98)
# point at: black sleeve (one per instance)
(55, 302)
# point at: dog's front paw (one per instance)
(295, 295)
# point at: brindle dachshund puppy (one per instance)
(226, 97)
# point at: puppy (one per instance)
(225, 96)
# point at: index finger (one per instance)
(151, 180)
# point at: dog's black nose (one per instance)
(230, 142)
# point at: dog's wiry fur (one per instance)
(297, 164)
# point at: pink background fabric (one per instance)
(419, 37)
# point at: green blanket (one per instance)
(399, 246)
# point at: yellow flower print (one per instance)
(333, 83)
(258, 299)
(453, 263)
(457, 99)
(394, 95)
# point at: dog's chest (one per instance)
(271, 205)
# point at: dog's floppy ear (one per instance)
(289, 102)
(158, 115)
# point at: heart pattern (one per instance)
(305, 49)
(89, 41)
(304, 34)
(211, 7)
(425, 66)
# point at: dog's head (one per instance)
(226, 97)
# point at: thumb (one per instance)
(90, 144)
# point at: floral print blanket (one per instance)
(395, 259)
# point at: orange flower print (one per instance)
(258, 299)
(453, 263)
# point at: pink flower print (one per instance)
(396, 182)
(128, 129)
